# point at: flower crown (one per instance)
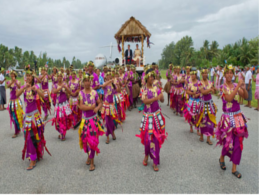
(13, 72)
(229, 67)
(89, 77)
(204, 70)
(152, 73)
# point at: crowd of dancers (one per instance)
(96, 103)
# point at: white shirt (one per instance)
(233, 78)
(212, 72)
(1, 79)
(198, 73)
(248, 76)
(220, 75)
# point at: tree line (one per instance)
(9, 57)
(182, 53)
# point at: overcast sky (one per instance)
(80, 27)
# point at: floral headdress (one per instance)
(193, 70)
(204, 70)
(13, 72)
(149, 73)
(229, 67)
(87, 76)
(59, 73)
(90, 63)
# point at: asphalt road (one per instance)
(187, 165)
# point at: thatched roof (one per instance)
(132, 28)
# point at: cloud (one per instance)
(79, 28)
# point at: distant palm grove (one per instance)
(240, 53)
(9, 57)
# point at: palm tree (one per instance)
(214, 49)
(205, 49)
(245, 54)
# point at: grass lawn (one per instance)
(253, 103)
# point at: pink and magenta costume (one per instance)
(192, 107)
(108, 111)
(33, 128)
(232, 128)
(46, 103)
(74, 86)
(152, 128)
(63, 117)
(15, 108)
(208, 110)
(91, 126)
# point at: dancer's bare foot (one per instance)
(198, 133)
(88, 161)
(155, 168)
(15, 135)
(191, 130)
(145, 161)
(32, 165)
(92, 167)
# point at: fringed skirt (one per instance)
(63, 118)
(119, 102)
(125, 92)
(179, 100)
(15, 109)
(46, 102)
(38, 103)
(230, 133)
(89, 131)
(191, 112)
(167, 87)
(76, 112)
(152, 134)
(207, 117)
(34, 136)
(172, 98)
(136, 90)
(53, 98)
(109, 115)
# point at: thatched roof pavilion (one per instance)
(132, 31)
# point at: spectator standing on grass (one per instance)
(2, 90)
(257, 87)
(241, 76)
(248, 82)
(212, 72)
(198, 74)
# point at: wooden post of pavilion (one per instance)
(142, 47)
(123, 51)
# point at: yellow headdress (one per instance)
(13, 72)
(59, 73)
(229, 67)
(149, 74)
(87, 76)
(91, 64)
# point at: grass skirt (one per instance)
(89, 131)
(46, 102)
(63, 118)
(136, 90)
(230, 133)
(207, 117)
(191, 113)
(15, 109)
(34, 136)
(167, 87)
(152, 134)
(76, 112)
